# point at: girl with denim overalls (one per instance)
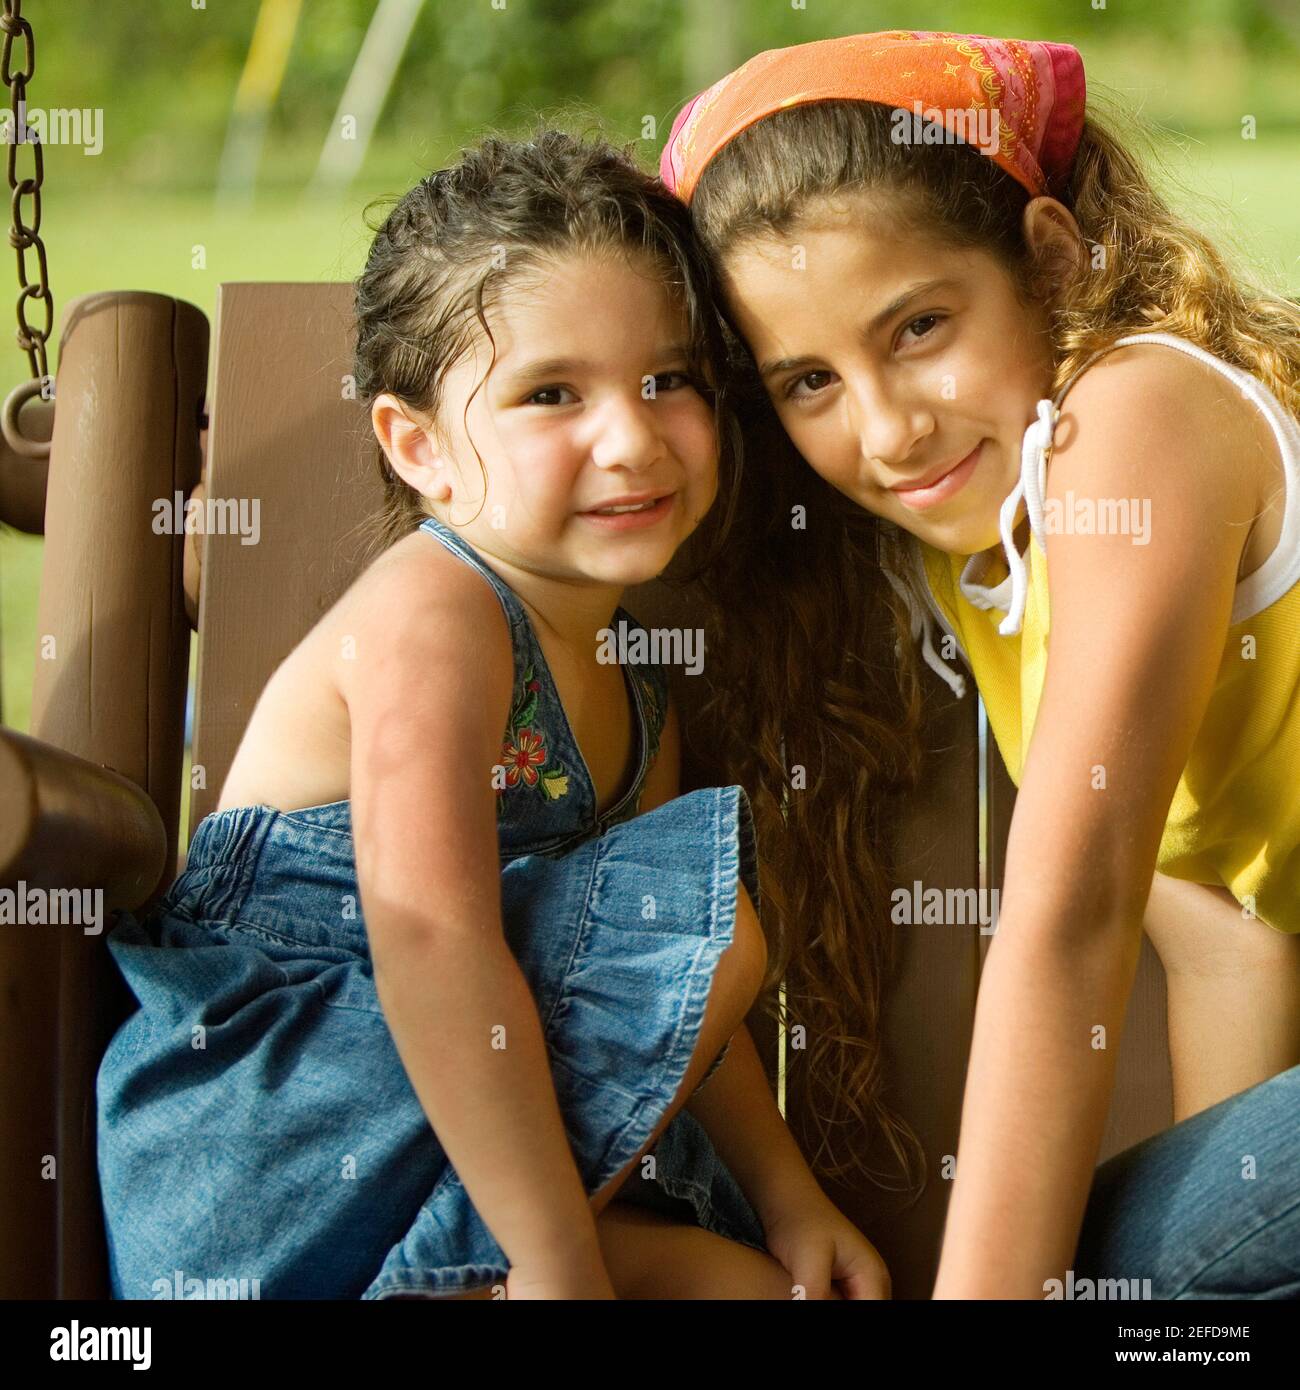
(925, 243)
(449, 964)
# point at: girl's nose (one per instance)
(627, 436)
(888, 424)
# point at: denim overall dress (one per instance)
(255, 1122)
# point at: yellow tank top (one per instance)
(1234, 818)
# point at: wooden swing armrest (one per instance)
(66, 822)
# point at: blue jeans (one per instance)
(1209, 1208)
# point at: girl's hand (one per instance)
(585, 1279)
(825, 1252)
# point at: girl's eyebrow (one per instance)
(563, 366)
(785, 364)
(904, 299)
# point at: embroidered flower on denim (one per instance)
(524, 753)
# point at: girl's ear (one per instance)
(1055, 241)
(412, 448)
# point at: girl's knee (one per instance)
(652, 1256)
(746, 958)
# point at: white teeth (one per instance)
(630, 507)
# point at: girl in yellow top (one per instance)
(924, 242)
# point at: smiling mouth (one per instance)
(626, 507)
(941, 488)
(938, 477)
(626, 516)
(618, 508)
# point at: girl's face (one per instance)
(588, 404)
(895, 360)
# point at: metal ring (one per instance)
(14, 437)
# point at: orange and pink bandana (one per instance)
(1022, 102)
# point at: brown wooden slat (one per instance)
(283, 432)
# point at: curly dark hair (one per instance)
(466, 234)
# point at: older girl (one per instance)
(926, 242)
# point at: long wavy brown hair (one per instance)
(812, 662)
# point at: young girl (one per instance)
(926, 244)
(427, 993)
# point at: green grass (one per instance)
(1249, 199)
(1249, 196)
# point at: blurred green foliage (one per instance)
(164, 73)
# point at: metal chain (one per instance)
(21, 236)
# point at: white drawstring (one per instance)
(954, 680)
(1033, 480)
(1030, 488)
(923, 626)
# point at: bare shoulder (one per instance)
(418, 635)
(1139, 611)
(414, 576)
(1171, 423)
(1158, 429)
(416, 608)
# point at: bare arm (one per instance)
(428, 694)
(1137, 638)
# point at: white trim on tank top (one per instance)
(1256, 592)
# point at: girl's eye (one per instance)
(664, 381)
(546, 391)
(930, 320)
(791, 394)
